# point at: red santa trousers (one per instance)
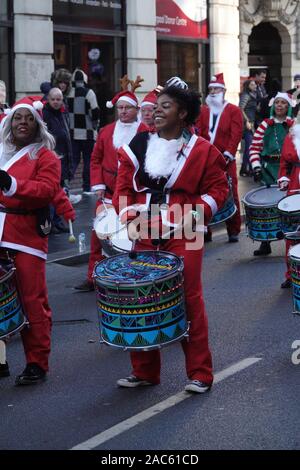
(31, 279)
(146, 364)
(234, 223)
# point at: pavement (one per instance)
(61, 249)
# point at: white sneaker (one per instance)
(75, 198)
(195, 386)
(132, 382)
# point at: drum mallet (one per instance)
(72, 239)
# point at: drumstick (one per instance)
(132, 253)
(72, 239)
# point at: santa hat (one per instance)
(124, 96)
(284, 96)
(217, 81)
(33, 103)
(150, 99)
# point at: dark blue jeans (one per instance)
(84, 148)
(247, 136)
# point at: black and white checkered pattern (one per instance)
(83, 113)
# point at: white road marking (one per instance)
(159, 407)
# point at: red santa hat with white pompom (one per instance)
(124, 96)
(32, 103)
(217, 80)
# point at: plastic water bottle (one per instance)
(81, 243)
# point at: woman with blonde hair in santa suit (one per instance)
(289, 177)
(265, 150)
(171, 166)
(29, 181)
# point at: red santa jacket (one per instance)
(199, 178)
(290, 160)
(104, 160)
(228, 129)
(35, 182)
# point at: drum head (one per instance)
(263, 197)
(294, 251)
(120, 241)
(290, 204)
(147, 266)
(107, 223)
(294, 236)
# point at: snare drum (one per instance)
(140, 301)
(289, 210)
(12, 318)
(294, 263)
(111, 232)
(263, 220)
(226, 212)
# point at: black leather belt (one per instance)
(9, 210)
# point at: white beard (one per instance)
(296, 138)
(124, 133)
(161, 156)
(215, 102)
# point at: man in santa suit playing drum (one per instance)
(104, 164)
(221, 123)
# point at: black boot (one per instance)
(264, 249)
(286, 284)
(4, 370)
(32, 374)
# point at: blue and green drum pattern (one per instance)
(140, 300)
(11, 313)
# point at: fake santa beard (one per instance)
(161, 156)
(215, 102)
(124, 133)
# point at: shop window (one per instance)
(180, 59)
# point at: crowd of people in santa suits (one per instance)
(165, 132)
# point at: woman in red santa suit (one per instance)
(289, 177)
(172, 166)
(104, 165)
(29, 181)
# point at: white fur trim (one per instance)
(146, 103)
(38, 105)
(25, 249)
(216, 85)
(109, 104)
(255, 164)
(13, 188)
(211, 202)
(283, 178)
(295, 132)
(97, 187)
(161, 156)
(229, 155)
(128, 100)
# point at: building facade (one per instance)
(152, 38)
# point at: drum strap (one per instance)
(9, 210)
(296, 164)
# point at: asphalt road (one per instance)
(256, 407)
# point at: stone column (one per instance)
(224, 44)
(141, 42)
(33, 39)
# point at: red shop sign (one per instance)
(182, 18)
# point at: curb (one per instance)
(72, 260)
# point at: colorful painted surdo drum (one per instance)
(294, 263)
(263, 220)
(227, 211)
(289, 210)
(12, 318)
(140, 300)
